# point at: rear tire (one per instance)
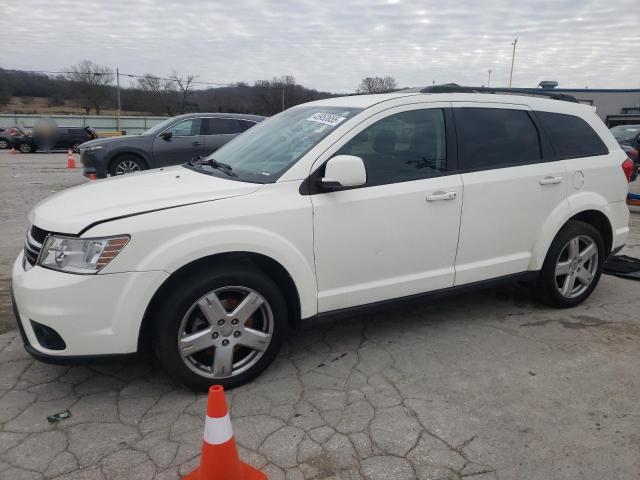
(204, 329)
(3, 144)
(573, 265)
(126, 164)
(25, 148)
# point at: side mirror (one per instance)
(166, 135)
(344, 171)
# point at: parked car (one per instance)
(327, 209)
(627, 135)
(67, 137)
(632, 153)
(9, 135)
(174, 141)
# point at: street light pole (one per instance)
(489, 79)
(118, 89)
(513, 58)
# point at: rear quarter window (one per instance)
(571, 136)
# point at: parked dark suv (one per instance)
(172, 142)
(67, 137)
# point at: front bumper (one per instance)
(93, 163)
(96, 315)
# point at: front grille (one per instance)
(33, 244)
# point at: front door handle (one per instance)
(549, 180)
(440, 195)
(196, 144)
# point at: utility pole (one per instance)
(513, 58)
(118, 89)
(489, 79)
(283, 87)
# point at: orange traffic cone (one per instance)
(92, 176)
(13, 151)
(220, 459)
(71, 161)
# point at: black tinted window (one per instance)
(494, 138)
(571, 136)
(402, 147)
(222, 126)
(245, 125)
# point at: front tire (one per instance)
(3, 144)
(573, 265)
(223, 326)
(126, 164)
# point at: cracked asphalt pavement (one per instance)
(483, 385)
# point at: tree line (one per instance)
(91, 87)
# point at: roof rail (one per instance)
(454, 88)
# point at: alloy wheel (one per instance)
(225, 332)
(4, 144)
(127, 166)
(576, 266)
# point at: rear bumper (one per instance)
(618, 213)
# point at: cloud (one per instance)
(332, 44)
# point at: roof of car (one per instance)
(239, 116)
(366, 101)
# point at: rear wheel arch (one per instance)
(265, 264)
(600, 222)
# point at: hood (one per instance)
(72, 210)
(115, 141)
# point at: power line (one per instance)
(122, 74)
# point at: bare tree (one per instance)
(163, 91)
(275, 95)
(93, 82)
(377, 85)
(185, 87)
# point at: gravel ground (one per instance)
(486, 385)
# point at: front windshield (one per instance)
(264, 152)
(158, 127)
(625, 132)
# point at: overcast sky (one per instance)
(332, 44)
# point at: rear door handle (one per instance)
(440, 195)
(196, 144)
(549, 180)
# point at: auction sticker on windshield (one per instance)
(326, 118)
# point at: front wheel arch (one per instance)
(117, 157)
(269, 266)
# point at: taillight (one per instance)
(627, 168)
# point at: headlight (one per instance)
(92, 149)
(80, 255)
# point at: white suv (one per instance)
(330, 205)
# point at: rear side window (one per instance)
(495, 138)
(222, 126)
(571, 136)
(245, 125)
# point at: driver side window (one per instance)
(402, 147)
(186, 128)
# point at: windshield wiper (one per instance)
(213, 163)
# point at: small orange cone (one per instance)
(220, 460)
(13, 151)
(92, 176)
(71, 161)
